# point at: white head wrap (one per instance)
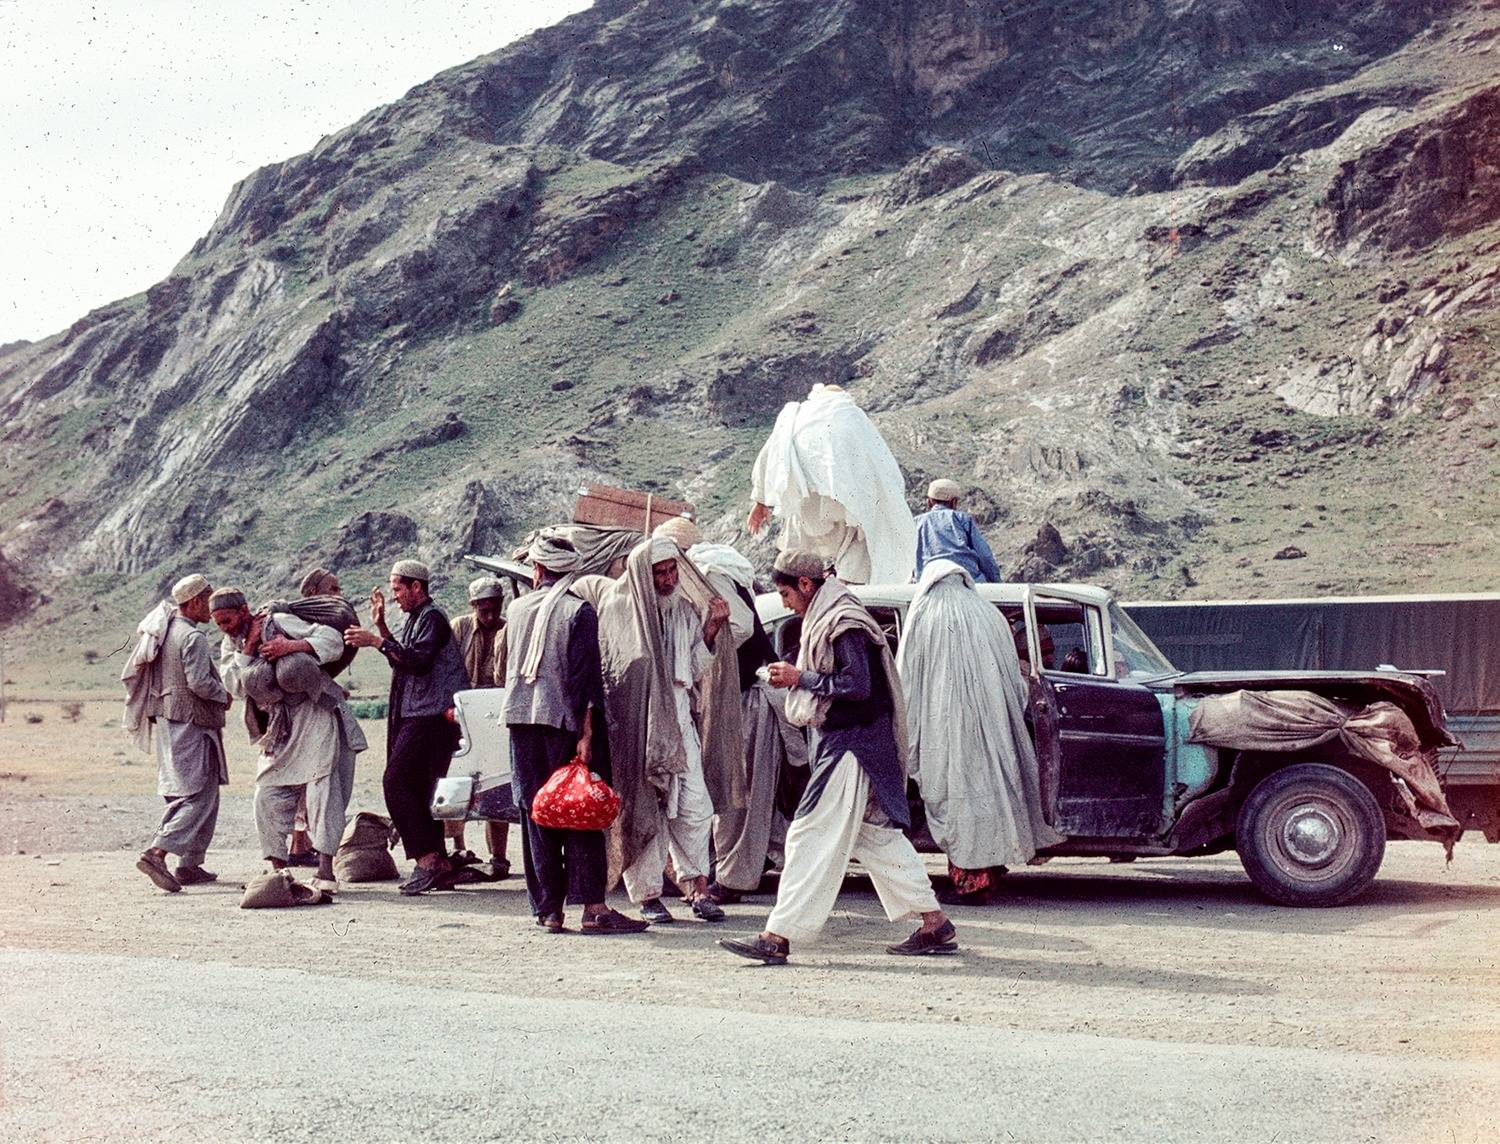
(680, 529)
(189, 588)
(664, 548)
(554, 551)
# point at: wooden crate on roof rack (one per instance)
(625, 508)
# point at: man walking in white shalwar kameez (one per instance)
(965, 715)
(845, 686)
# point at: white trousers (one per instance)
(818, 849)
(684, 836)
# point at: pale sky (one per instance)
(124, 124)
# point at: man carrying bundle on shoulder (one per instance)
(280, 661)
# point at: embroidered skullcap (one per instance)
(664, 548)
(411, 570)
(809, 564)
(944, 490)
(312, 582)
(485, 588)
(554, 551)
(226, 598)
(680, 529)
(190, 588)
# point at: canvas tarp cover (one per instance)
(1449, 635)
(598, 545)
(1380, 733)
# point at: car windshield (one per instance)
(1134, 651)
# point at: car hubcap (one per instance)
(1311, 835)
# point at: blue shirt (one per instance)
(947, 534)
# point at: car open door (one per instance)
(1105, 771)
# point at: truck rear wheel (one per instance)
(1310, 835)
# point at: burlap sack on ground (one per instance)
(364, 853)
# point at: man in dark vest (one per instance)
(184, 700)
(844, 685)
(426, 669)
(554, 707)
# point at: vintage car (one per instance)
(1111, 718)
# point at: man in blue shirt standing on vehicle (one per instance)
(944, 533)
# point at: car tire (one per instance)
(1310, 835)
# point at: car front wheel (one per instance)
(1310, 835)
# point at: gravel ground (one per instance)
(1161, 1000)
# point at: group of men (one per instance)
(282, 661)
(662, 681)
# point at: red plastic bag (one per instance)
(575, 799)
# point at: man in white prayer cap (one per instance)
(176, 702)
(481, 638)
(945, 533)
(426, 671)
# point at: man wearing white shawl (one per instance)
(674, 720)
(827, 473)
(844, 685)
(745, 837)
(970, 752)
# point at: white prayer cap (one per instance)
(190, 588)
(485, 588)
(944, 490)
(799, 564)
(680, 529)
(229, 598)
(664, 548)
(411, 570)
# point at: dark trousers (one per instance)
(559, 863)
(418, 751)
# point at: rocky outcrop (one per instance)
(1124, 268)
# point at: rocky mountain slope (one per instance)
(1199, 297)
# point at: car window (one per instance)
(1135, 654)
(1072, 636)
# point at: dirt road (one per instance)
(1160, 1000)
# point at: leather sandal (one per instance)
(759, 949)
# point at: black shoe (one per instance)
(499, 869)
(707, 909)
(656, 913)
(425, 878)
(303, 858)
(759, 949)
(944, 939)
(723, 894)
(552, 923)
(611, 921)
(195, 875)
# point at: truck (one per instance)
(1121, 777)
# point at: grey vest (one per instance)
(178, 702)
(545, 701)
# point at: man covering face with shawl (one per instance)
(971, 756)
(674, 717)
(745, 838)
